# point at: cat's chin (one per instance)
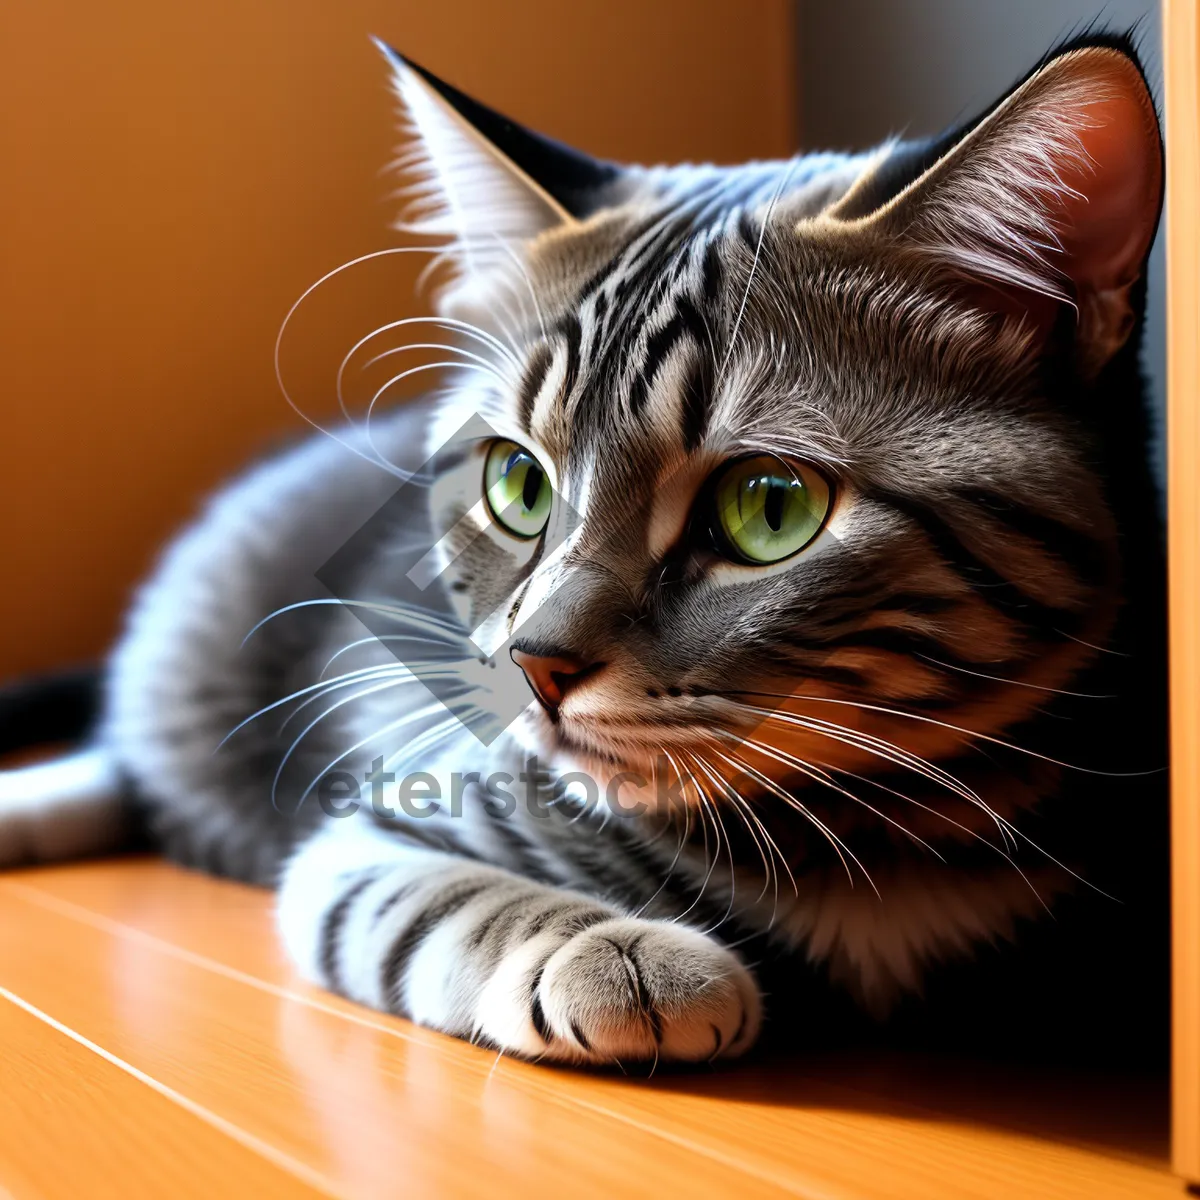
(562, 749)
(624, 766)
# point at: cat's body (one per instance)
(823, 741)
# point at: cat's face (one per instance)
(787, 470)
(743, 519)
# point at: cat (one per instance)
(729, 598)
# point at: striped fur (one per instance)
(836, 754)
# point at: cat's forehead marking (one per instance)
(738, 334)
(629, 368)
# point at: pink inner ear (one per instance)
(1108, 225)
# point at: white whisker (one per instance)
(969, 733)
(362, 258)
(445, 365)
(403, 672)
(762, 232)
(516, 260)
(833, 785)
(351, 676)
(840, 848)
(1037, 687)
(879, 748)
(416, 639)
(283, 762)
(722, 835)
(710, 866)
(390, 610)
(391, 727)
(748, 816)
(670, 871)
(971, 833)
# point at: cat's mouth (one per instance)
(605, 747)
(618, 745)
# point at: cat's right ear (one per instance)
(1052, 198)
(483, 183)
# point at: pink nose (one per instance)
(552, 676)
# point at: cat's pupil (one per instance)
(532, 487)
(773, 505)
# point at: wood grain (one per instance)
(72, 1125)
(181, 977)
(1181, 53)
(375, 1114)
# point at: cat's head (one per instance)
(791, 468)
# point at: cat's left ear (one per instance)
(484, 182)
(1052, 197)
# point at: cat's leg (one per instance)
(482, 953)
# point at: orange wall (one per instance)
(1181, 29)
(173, 176)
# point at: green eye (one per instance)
(518, 491)
(768, 509)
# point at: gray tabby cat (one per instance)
(762, 501)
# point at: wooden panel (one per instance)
(372, 1113)
(174, 176)
(73, 1124)
(181, 976)
(1181, 52)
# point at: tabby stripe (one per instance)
(422, 924)
(523, 862)
(918, 604)
(537, 1015)
(993, 588)
(612, 266)
(540, 920)
(331, 929)
(401, 894)
(645, 271)
(747, 230)
(575, 920)
(430, 836)
(492, 937)
(597, 281)
(711, 274)
(600, 309)
(686, 320)
(695, 401)
(632, 281)
(531, 385)
(1078, 549)
(845, 676)
(637, 293)
(647, 262)
(573, 333)
(896, 639)
(488, 922)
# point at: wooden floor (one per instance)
(154, 1042)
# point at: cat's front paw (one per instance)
(625, 989)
